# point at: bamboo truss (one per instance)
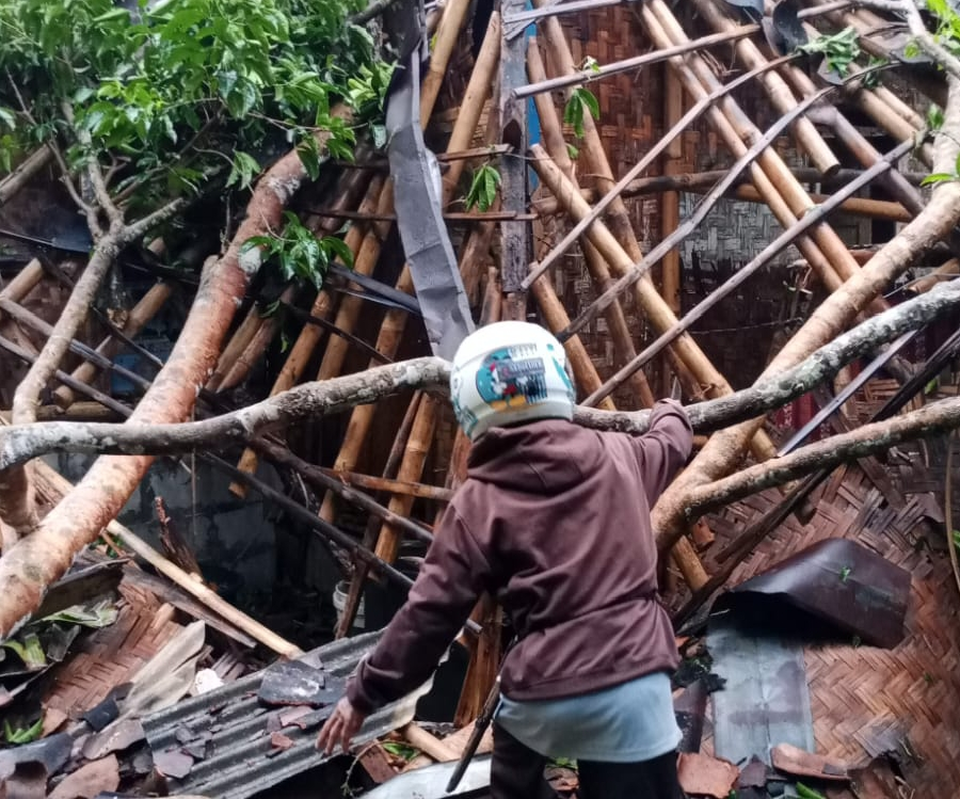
(626, 324)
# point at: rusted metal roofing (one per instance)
(233, 739)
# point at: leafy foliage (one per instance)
(948, 25)
(299, 253)
(943, 177)
(483, 188)
(581, 100)
(839, 49)
(22, 736)
(174, 95)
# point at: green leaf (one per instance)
(934, 117)
(22, 736)
(29, 651)
(8, 118)
(573, 152)
(245, 168)
(937, 177)
(590, 101)
(309, 153)
(399, 750)
(483, 188)
(839, 49)
(808, 793)
(96, 616)
(338, 248)
(581, 101)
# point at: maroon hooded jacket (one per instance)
(554, 520)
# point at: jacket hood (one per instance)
(543, 457)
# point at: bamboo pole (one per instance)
(599, 271)
(702, 181)
(670, 201)
(448, 32)
(411, 469)
(478, 89)
(362, 571)
(350, 307)
(831, 255)
(780, 94)
(257, 345)
(238, 343)
(141, 313)
(555, 315)
(24, 173)
(855, 206)
(937, 276)
(310, 335)
(77, 412)
(24, 282)
(394, 321)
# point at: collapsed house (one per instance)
(697, 199)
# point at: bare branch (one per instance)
(58, 156)
(923, 37)
(931, 420)
(142, 226)
(21, 443)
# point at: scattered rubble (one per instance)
(611, 157)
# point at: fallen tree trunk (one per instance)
(19, 444)
(37, 561)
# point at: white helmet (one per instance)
(509, 372)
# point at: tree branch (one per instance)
(931, 420)
(21, 443)
(925, 39)
(94, 172)
(142, 226)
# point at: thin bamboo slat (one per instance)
(836, 265)
(141, 313)
(599, 271)
(310, 335)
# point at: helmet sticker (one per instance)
(507, 379)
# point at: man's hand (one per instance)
(340, 728)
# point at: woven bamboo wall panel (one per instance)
(867, 700)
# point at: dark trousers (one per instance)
(517, 773)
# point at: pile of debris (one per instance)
(615, 171)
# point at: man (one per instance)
(554, 520)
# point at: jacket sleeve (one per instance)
(452, 577)
(665, 447)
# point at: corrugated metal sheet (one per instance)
(240, 759)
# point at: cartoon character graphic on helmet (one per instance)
(507, 373)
